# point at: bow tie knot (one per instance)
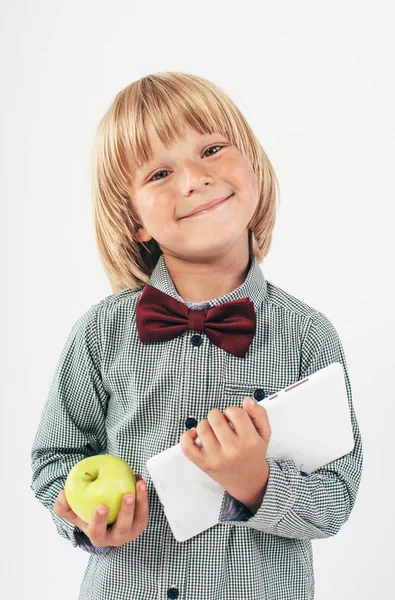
(230, 326)
(196, 319)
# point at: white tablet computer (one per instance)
(311, 424)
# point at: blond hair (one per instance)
(168, 100)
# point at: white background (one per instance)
(315, 80)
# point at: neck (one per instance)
(196, 282)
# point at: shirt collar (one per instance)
(254, 286)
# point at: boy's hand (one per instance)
(131, 520)
(234, 456)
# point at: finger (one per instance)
(141, 511)
(223, 429)
(210, 443)
(62, 509)
(99, 523)
(132, 519)
(259, 417)
(97, 528)
(121, 529)
(189, 447)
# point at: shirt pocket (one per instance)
(235, 392)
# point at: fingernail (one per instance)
(142, 486)
(102, 511)
(129, 499)
(252, 401)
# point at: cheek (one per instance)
(151, 206)
(251, 183)
(157, 212)
(245, 181)
(250, 192)
(240, 173)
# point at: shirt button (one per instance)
(190, 422)
(196, 340)
(259, 394)
(172, 593)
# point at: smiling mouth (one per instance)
(207, 210)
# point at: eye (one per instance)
(213, 147)
(165, 171)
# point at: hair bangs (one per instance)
(168, 110)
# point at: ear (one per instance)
(142, 235)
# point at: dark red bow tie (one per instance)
(230, 326)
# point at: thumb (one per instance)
(259, 417)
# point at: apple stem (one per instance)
(89, 476)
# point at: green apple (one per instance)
(99, 479)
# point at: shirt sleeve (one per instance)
(72, 423)
(314, 505)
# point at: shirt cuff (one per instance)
(233, 510)
(84, 542)
(280, 495)
(76, 536)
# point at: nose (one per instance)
(196, 176)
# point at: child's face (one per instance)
(180, 179)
